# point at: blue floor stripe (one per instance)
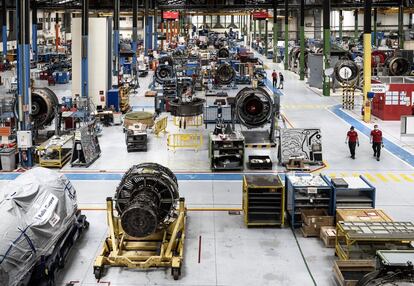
(118, 176)
(390, 146)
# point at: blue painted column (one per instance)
(150, 32)
(34, 32)
(155, 28)
(84, 47)
(134, 34)
(23, 76)
(147, 30)
(116, 42)
(4, 29)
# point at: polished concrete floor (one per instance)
(231, 254)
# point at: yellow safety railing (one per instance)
(160, 126)
(185, 141)
(193, 121)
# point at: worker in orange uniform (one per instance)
(376, 141)
(274, 77)
(352, 141)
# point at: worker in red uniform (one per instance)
(352, 140)
(274, 77)
(376, 140)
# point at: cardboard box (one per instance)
(317, 217)
(313, 220)
(328, 235)
(150, 93)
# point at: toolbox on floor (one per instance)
(348, 273)
(260, 163)
(313, 220)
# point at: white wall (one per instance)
(97, 58)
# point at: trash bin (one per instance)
(8, 159)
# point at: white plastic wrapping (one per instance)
(35, 210)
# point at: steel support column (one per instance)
(275, 32)
(259, 22)
(375, 40)
(84, 48)
(356, 33)
(117, 9)
(401, 25)
(4, 29)
(286, 57)
(34, 32)
(134, 35)
(326, 46)
(57, 41)
(266, 38)
(23, 75)
(147, 37)
(367, 59)
(341, 25)
(254, 30)
(155, 44)
(162, 29)
(302, 41)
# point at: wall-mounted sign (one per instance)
(378, 88)
(260, 15)
(172, 15)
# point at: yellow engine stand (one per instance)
(161, 249)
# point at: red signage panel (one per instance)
(170, 15)
(260, 15)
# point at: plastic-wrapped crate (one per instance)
(37, 208)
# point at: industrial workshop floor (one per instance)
(231, 254)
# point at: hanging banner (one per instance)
(172, 15)
(260, 15)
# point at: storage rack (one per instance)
(263, 200)
(306, 191)
(55, 152)
(361, 240)
(352, 193)
(226, 151)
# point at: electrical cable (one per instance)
(303, 257)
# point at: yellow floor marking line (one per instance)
(344, 174)
(408, 179)
(332, 175)
(394, 177)
(370, 177)
(355, 175)
(382, 178)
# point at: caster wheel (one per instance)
(97, 272)
(176, 272)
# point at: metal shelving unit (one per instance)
(227, 152)
(263, 200)
(352, 193)
(306, 191)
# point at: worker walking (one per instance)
(352, 140)
(274, 77)
(281, 79)
(376, 141)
